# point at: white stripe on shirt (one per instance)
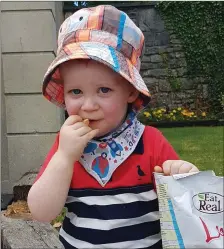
(114, 199)
(110, 224)
(143, 243)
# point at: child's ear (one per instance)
(133, 95)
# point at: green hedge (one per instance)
(200, 28)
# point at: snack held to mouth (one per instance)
(86, 121)
(191, 210)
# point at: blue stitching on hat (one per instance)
(120, 31)
(116, 62)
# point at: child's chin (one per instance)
(103, 129)
(101, 133)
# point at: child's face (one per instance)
(95, 92)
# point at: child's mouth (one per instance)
(92, 121)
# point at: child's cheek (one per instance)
(115, 111)
(111, 109)
(71, 108)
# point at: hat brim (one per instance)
(53, 84)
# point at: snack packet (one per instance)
(191, 210)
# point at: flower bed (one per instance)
(176, 117)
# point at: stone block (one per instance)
(145, 66)
(182, 62)
(175, 41)
(179, 55)
(149, 38)
(162, 39)
(161, 65)
(150, 81)
(27, 152)
(150, 50)
(29, 31)
(157, 73)
(187, 84)
(26, 233)
(162, 98)
(150, 19)
(177, 47)
(164, 86)
(156, 58)
(183, 96)
(172, 55)
(170, 50)
(149, 65)
(31, 114)
(181, 71)
(173, 72)
(146, 58)
(28, 71)
(153, 89)
(173, 63)
(155, 50)
(205, 91)
(173, 36)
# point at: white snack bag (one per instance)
(191, 210)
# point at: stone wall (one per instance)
(164, 64)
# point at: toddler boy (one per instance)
(100, 166)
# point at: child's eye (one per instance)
(76, 91)
(105, 89)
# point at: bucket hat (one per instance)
(104, 34)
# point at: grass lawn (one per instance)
(202, 146)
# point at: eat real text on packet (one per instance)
(191, 210)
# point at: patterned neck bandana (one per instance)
(101, 157)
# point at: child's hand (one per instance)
(74, 136)
(171, 167)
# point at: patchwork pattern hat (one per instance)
(104, 34)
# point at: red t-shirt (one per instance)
(154, 150)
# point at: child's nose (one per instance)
(89, 104)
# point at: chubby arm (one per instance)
(48, 194)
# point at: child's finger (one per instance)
(175, 166)
(72, 120)
(194, 169)
(158, 169)
(78, 125)
(83, 130)
(90, 135)
(185, 167)
(166, 167)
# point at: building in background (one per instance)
(28, 122)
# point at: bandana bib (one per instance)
(101, 157)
